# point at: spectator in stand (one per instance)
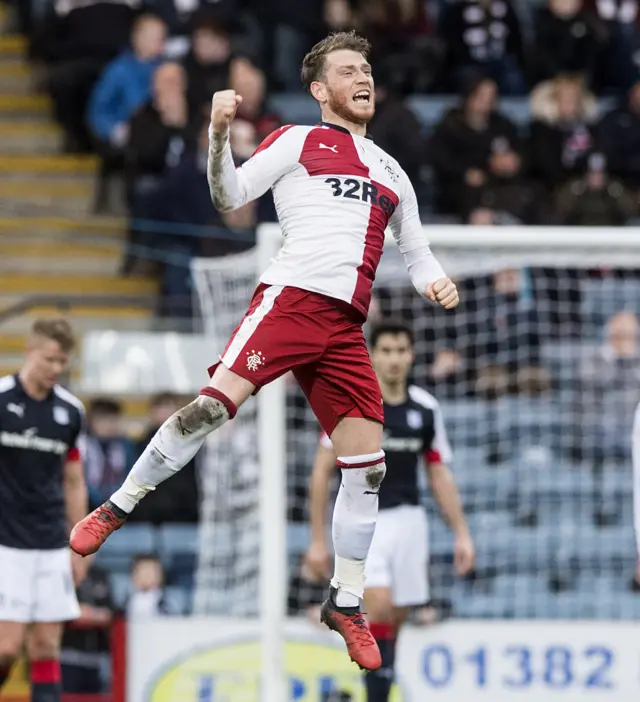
(619, 137)
(568, 40)
(125, 85)
(77, 40)
(610, 390)
(484, 35)
(86, 642)
(500, 331)
(109, 453)
(619, 64)
(395, 127)
(160, 132)
(148, 596)
(561, 136)
(207, 63)
(507, 196)
(179, 502)
(252, 117)
(249, 81)
(463, 141)
(595, 200)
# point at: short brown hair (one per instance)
(313, 64)
(57, 329)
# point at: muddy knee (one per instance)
(199, 417)
(374, 475)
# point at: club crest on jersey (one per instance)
(395, 177)
(414, 419)
(255, 360)
(61, 415)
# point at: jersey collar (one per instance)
(338, 128)
(25, 394)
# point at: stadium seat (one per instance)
(118, 550)
(177, 538)
(298, 538)
(177, 600)
(120, 588)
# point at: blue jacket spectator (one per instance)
(126, 83)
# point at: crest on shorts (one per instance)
(255, 359)
(414, 419)
(61, 415)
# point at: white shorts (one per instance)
(399, 555)
(37, 586)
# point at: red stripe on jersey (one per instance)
(73, 454)
(387, 201)
(272, 137)
(331, 152)
(433, 456)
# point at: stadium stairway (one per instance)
(51, 243)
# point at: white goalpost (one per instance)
(535, 375)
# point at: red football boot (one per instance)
(350, 623)
(91, 532)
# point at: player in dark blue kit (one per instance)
(42, 495)
(396, 569)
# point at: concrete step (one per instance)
(14, 246)
(27, 284)
(59, 196)
(104, 266)
(65, 228)
(48, 165)
(28, 138)
(33, 107)
(13, 45)
(85, 319)
(16, 77)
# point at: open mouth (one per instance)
(362, 96)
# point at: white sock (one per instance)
(173, 446)
(354, 522)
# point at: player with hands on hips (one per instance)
(336, 193)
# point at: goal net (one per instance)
(538, 376)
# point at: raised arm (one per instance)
(426, 274)
(233, 187)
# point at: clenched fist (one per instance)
(444, 292)
(223, 109)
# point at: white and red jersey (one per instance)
(335, 194)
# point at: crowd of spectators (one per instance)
(132, 80)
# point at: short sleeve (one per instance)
(77, 447)
(438, 449)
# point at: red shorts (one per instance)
(289, 329)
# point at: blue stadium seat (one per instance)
(120, 587)
(298, 538)
(177, 600)
(177, 539)
(118, 550)
(603, 298)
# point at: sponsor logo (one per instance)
(333, 148)
(231, 671)
(30, 441)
